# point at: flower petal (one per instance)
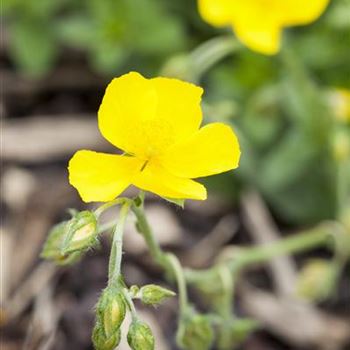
(128, 101)
(101, 177)
(178, 106)
(299, 12)
(263, 36)
(216, 12)
(145, 116)
(156, 179)
(212, 150)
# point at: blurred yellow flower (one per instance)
(156, 122)
(339, 100)
(258, 23)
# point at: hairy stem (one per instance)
(117, 245)
(211, 52)
(108, 205)
(181, 282)
(241, 258)
(130, 303)
(168, 262)
(147, 233)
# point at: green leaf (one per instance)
(107, 58)
(33, 46)
(77, 30)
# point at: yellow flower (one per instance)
(156, 123)
(339, 100)
(258, 23)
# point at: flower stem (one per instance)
(117, 245)
(210, 52)
(181, 282)
(108, 205)
(130, 303)
(234, 264)
(168, 262)
(148, 235)
(228, 291)
(316, 237)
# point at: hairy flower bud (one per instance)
(339, 101)
(195, 333)
(232, 333)
(152, 294)
(341, 145)
(345, 219)
(81, 232)
(111, 311)
(140, 336)
(316, 280)
(101, 341)
(52, 247)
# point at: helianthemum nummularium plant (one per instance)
(258, 24)
(156, 123)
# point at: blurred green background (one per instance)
(281, 106)
(120, 35)
(291, 112)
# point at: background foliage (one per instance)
(278, 104)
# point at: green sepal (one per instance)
(178, 202)
(110, 311)
(101, 342)
(81, 232)
(52, 246)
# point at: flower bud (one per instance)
(232, 333)
(101, 341)
(316, 280)
(52, 246)
(152, 294)
(341, 145)
(111, 311)
(81, 232)
(345, 219)
(140, 336)
(134, 291)
(195, 333)
(179, 66)
(339, 101)
(341, 234)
